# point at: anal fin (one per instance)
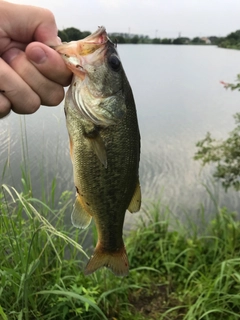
(135, 203)
(80, 218)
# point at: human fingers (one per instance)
(24, 24)
(49, 63)
(5, 105)
(15, 93)
(49, 92)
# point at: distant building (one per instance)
(206, 40)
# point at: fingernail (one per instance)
(11, 54)
(59, 40)
(55, 43)
(37, 55)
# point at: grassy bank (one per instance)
(178, 274)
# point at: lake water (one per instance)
(178, 97)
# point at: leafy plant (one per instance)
(225, 154)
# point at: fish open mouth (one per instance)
(77, 53)
(98, 37)
(84, 46)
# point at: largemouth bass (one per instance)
(104, 145)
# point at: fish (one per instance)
(104, 138)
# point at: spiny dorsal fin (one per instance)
(80, 218)
(135, 203)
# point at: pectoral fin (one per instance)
(135, 203)
(71, 147)
(80, 218)
(99, 148)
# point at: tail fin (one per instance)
(117, 261)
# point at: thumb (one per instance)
(49, 63)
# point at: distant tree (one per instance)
(73, 34)
(185, 40)
(234, 36)
(84, 34)
(232, 40)
(214, 40)
(144, 39)
(63, 36)
(166, 41)
(224, 153)
(156, 40)
(134, 40)
(197, 40)
(225, 43)
(179, 41)
(119, 39)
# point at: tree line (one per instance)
(230, 41)
(71, 34)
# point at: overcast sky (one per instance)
(161, 18)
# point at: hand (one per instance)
(31, 73)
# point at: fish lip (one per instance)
(98, 37)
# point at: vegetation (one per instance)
(174, 275)
(71, 34)
(224, 153)
(231, 41)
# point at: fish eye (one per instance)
(114, 62)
